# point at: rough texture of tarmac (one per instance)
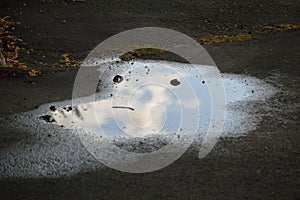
(262, 165)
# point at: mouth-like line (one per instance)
(124, 107)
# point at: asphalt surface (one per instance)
(262, 165)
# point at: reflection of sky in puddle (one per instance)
(145, 103)
(152, 97)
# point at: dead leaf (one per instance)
(33, 73)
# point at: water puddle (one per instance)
(150, 97)
(138, 105)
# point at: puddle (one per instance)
(138, 105)
(149, 98)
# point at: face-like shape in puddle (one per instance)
(152, 98)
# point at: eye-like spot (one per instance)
(175, 82)
(118, 79)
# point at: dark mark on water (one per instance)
(48, 118)
(124, 107)
(118, 79)
(52, 108)
(175, 82)
(68, 108)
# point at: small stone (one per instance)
(175, 82)
(118, 79)
(48, 118)
(53, 108)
